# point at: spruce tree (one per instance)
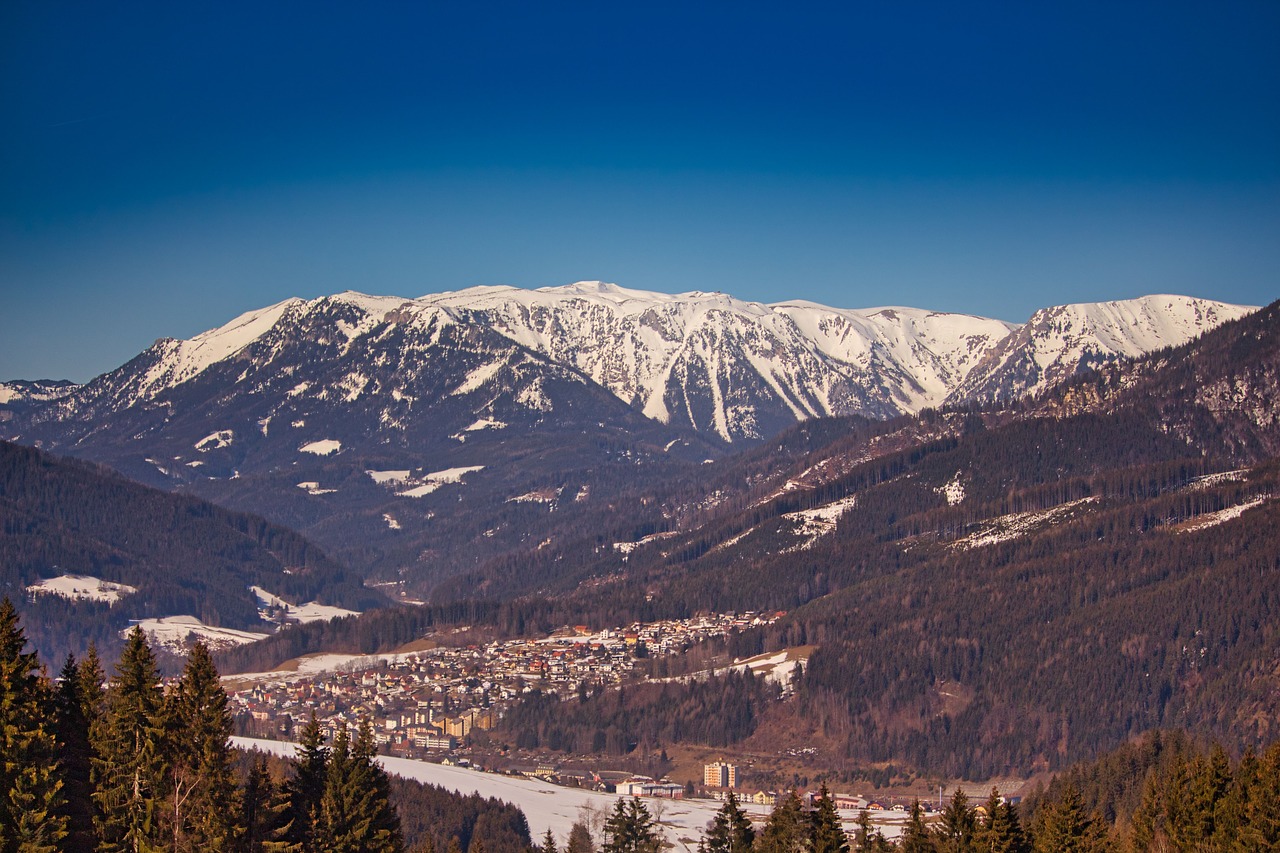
(201, 789)
(958, 825)
(306, 786)
(731, 830)
(1261, 829)
(862, 839)
(580, 840)
(129, 769)
(1147, 829)
(31, 806)
(630, 829)
(75, 756)
(1001, 832)
(548, 843)
(826, 832)
(1068, 828)
(92, 684)
(334, 824)
(355, 807)
(787, 830)
(378, 825)
(915, 837)
(262, 823)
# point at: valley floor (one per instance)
(550, 806)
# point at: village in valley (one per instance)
(437, 699)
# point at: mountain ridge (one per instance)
(306, 411)
(738, 370)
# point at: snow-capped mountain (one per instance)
(420, 435)
(1057, 343)
(739, 370)
(707, 361)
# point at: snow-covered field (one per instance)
(551, 806)
(323, 447)
(777, 667)
(407, 486)
(309, 612)
(81, 588)
(309, 666)
(173, 632)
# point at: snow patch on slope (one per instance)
(1006, 528)
(406, 485)
(310, 612)
(176, 633)
(1222, 516)
(82, 588)
(953, 491)
(323, 447)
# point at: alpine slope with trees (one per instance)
(169, 554)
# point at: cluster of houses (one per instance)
(429, 701)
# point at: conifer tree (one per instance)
(129, 768)
(75, 756)
(376, 819)
(915, 837)
(862, 840)
(92, 684)
(580, 840)
(1001, 832)
(262, 821)
(958, 825)
(731, 830)
(306, 787)
(1210, 780)
(1261, 829)
(334, 819)
(826, 832)
(1068, 828)
(548, 843)
(630, 829)
(1147, 830)
(787, 830)
(355, 808)
(201, 788)
(31, 807)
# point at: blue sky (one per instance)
(164, 167)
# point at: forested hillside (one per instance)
(182, 555)
(998, 591)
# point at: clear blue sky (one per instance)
(166, 166)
